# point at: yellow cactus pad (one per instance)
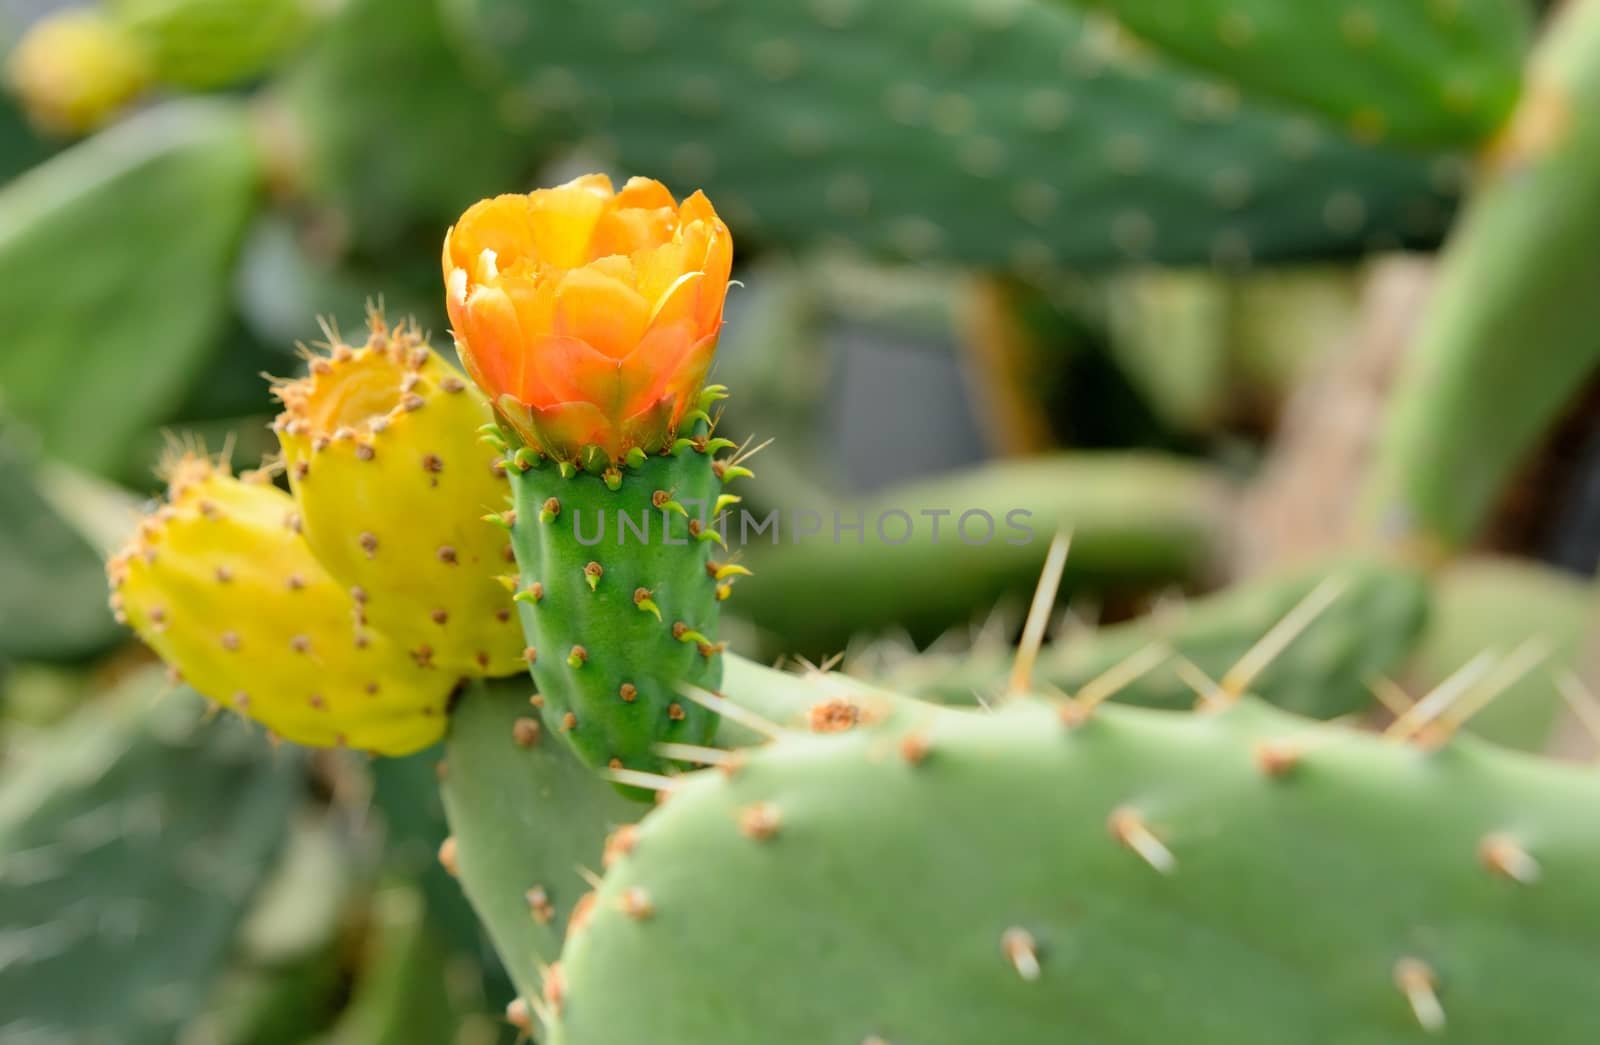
(385, 460)
(221, 584)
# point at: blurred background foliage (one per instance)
(1157, 267)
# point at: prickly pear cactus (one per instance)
(131, 846)
(220, 582)
(589, 314)
(618, 585)
(380, 442)
(1036, 875)
(1021, 135)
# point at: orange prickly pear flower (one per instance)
(589, 315)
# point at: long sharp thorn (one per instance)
(1581, 699)
(1390, 694)
(1527, 656)
(1416, 982)
(1258, 657)
(1044, 599)
(1121, 674)
(639, 778)
(1441, 697)
(706, 756)
(728, 709)
(1204, 686)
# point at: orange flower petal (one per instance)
(489, 335)
(562, 223)
(718, 266)
(697, 208)
(646, 193)
(575, 424)
(567, 369)
(602, 310)
(499, 224)
(643, 375)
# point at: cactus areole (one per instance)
(589, 317)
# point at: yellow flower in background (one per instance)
(74, 69)
(220, 583)
(393, 482)
(589, 316)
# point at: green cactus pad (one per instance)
(374, 67)
(52, 583)
(131, 848)
(98, 349)
(1020, 135)
(618, 601)
(203, 45)
(524, 815)
(1418, 71)
(1243, 877)
(1472, 400)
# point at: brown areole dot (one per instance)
(447, 555)
(628, 692)
(525, 732)
(539, 905)
(759, 821)
(369, 543)
(619, 844)
(636, 904)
